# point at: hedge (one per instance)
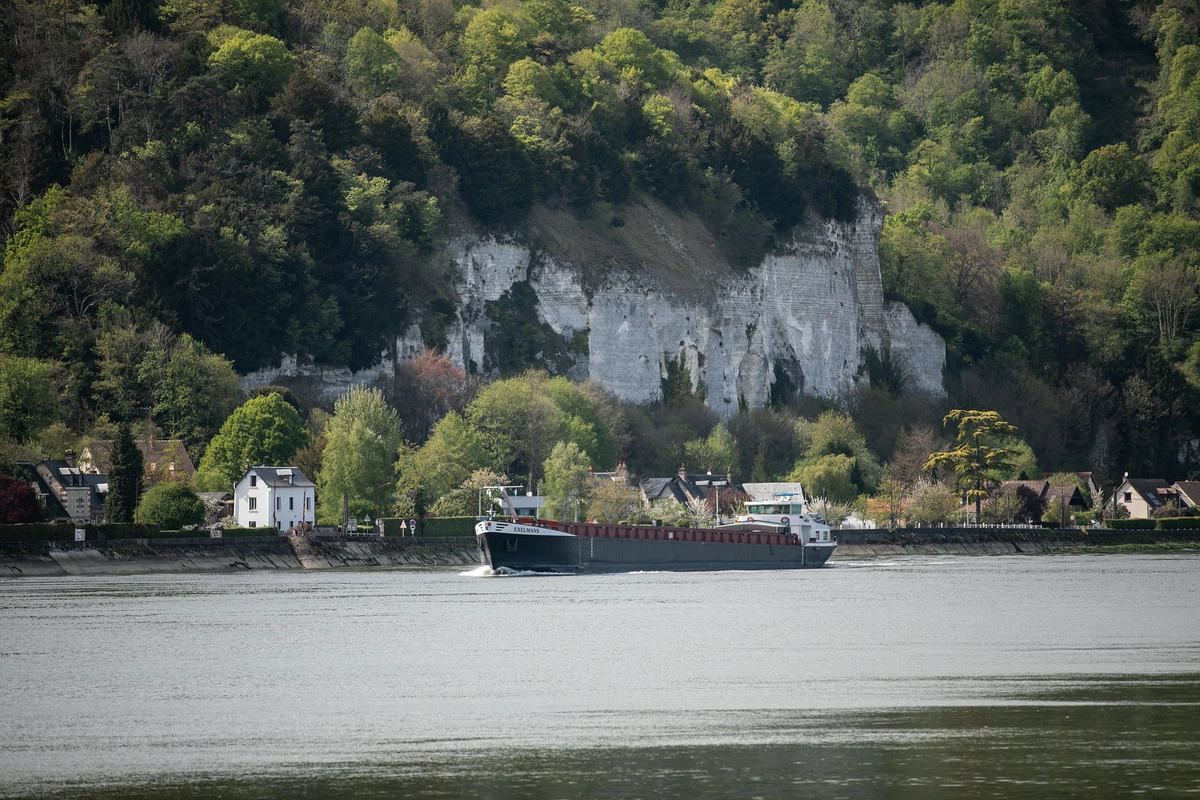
(65, 532)
(39, 532)
(122, 530)
(1130, 524)
(447, 526)
(1175, 523)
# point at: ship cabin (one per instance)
(771, 510)
(787, 510)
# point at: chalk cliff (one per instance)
(808, 313)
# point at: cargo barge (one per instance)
(754, 541)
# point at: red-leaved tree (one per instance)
(18, 502)
(426, 389)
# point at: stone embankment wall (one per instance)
(139, 556)
(996, 541)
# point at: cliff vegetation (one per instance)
(190, 189)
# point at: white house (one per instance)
(278, 497)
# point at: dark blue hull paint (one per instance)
(558, 553)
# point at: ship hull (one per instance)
(555, 551)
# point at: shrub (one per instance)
(172, 506)
(1131, 524)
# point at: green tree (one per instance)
(1113, 176)
(28, 397)
(362, 440)
(252, 59)
(262, 431)
(125, 472)
(193, 391)
(528, 78)
(635, 60)
(714, 454)
(566, 485)
(172, 505)
(614, 501)
(520, 419)
(830, 476)
(837, 462)
(470, 499)
(493, 40)
(118, 387)
(373, 65)
(811, 62)
(977, 456)
(932, 503)
(189, 391)
(51, 289)
(494, 170)
(452, 453)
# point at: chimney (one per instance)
(621, 473)
(69, 456)
(683, 473)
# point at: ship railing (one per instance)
(662, 533)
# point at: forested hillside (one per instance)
(190, 188)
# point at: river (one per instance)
(913, 677)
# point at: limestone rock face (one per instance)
(808, 315)
(809, 312)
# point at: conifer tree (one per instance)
(124, 473)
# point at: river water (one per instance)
(921, 677)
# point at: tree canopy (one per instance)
(264, 430)
(226, 184)
(18, 502)
(978, 457)
(125, 475)
(567, 483)
(363, 437)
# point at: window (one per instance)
(254, 504)
(306, 502)
(253, 524)
(254, 480)
(1129, 497)
(291, 503)
(278, 503)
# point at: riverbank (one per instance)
(143, 556)
(1007, 541)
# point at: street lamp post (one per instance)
(377, 488)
